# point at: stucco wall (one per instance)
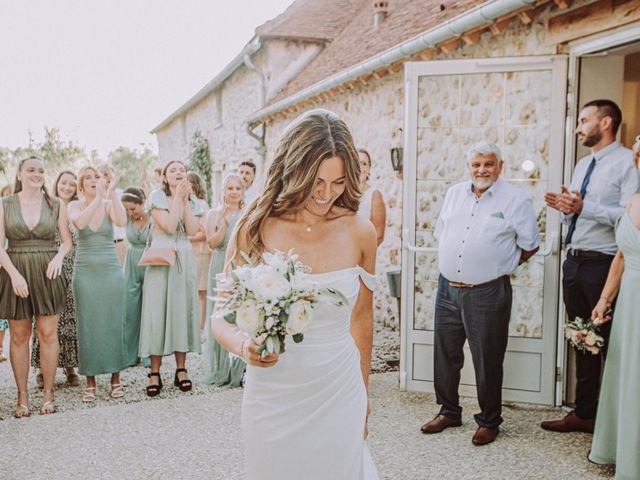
(375, 115)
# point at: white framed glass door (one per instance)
(518, 103)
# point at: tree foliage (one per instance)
(200, 160)
(131, 164)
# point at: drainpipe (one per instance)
(261, 148)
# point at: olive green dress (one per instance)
(134, 277)
(30, 252)
(170, 321)
(98, 290)
(220, 369)
(616, 438)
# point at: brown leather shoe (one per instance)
(485, 435)
(439, 423)
(570, 423)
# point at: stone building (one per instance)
(432, 78)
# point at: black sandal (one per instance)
(184, 385)
(154, 390)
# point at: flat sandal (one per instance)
(21, 410)
(49, 406)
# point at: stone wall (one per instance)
(375, 115)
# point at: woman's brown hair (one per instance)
(55, 185)
(165, 184)
(17, 186)
(197, 185)
(308, 141)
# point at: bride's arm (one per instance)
(362, 314)
(227, 334)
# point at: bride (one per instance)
(304, 413)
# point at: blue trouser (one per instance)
(480, 315)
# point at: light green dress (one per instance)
(219, 368)
(170, 322)
(134, 277)
(98, 291)
(616, 438)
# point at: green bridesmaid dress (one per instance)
(30, 252)
(220, 369)
(170, 321)
(134, 278)
(616, 438)
(98, 291)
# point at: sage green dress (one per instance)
(220, 369)
(98, 291)
(30, 252)
(170, 322)
(134, 278)
(616, 438)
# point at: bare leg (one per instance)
(156, 363)
(47, 328)
(20, 333)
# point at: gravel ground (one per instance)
(196, 435)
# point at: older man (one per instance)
(486, 228)
(602, 183)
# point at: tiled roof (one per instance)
(357, 42)
(311, 19)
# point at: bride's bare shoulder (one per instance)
(360, 227)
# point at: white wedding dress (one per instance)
(304, 418)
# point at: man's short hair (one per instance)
(483, 148)
(248, 163)
(607, 108)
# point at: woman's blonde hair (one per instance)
(82, 173)
(308, 141)
(231, 177)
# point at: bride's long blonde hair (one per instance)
(309, 140)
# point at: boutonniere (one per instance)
(498, 215)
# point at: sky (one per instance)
(107, 72)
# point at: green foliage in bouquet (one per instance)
(584, 335)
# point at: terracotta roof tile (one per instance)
(358, 42)
(311, 19)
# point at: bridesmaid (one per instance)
(138, 232)
(98, 282)
(169, 323)
(30, 281)
(65, 188)
(219, 368)
(201, 251)
(371, 203)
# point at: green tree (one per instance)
(130, 164)
(200, 160)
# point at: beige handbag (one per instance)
(160, 256)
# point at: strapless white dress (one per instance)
(304, 418)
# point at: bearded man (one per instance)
(602, 183)
(486, 228)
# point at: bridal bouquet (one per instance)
(273, 299)
(584, 335)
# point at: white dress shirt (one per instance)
(250, 194)
(613, 180)
(481, 239)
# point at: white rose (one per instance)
(267, 283)
(300, 281)
(300, 317)
(247, 318)
(590, 340)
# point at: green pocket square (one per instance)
(498, 215)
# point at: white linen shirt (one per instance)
(613, 181)
(481, 239)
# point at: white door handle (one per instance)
(413, 248)
(551, 245)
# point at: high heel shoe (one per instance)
(152, 389)
(184, 385)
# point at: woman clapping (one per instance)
(98, 282)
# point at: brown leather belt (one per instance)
(470, 285)
(587, 254)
